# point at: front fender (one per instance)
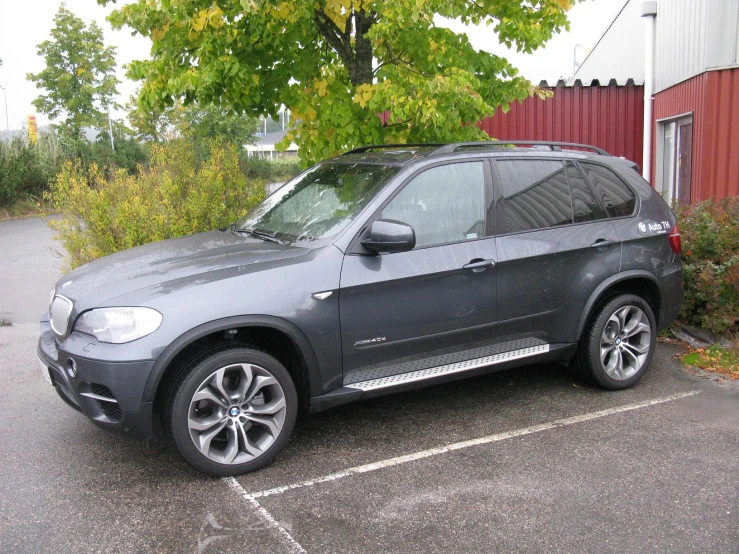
(289, 329)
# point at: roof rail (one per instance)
(388, 146)
(449, 148)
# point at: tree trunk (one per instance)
(363, 50)
(358, 60)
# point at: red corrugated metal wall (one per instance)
(720, 176)
(610, 117)
(713, 99)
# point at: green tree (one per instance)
(79, 78)
(336, 64)
(196, 122)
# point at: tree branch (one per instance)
(408, 64)
(483, 10)
(332, 34)
(385, 125)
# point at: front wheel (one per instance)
(618, 344)
(232, 412)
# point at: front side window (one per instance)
(610, 190)
(536, 194)
(443, 204)
(319, 203)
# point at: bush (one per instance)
(175, 195)
(25, 169)
(128, 154)
(282, 169)
(710, 241)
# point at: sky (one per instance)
(23, 25)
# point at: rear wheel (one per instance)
(618, 344)
(232, 412)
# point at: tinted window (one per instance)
(443, 204)
(536, 194)
(584, 205)
(610, 190)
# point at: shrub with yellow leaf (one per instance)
(175, 195)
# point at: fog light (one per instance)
(72, 368)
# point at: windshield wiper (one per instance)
(259, 233)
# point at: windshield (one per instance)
(317, 204)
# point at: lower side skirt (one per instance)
(441, 374)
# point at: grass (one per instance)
(714, 358)
(22, 208)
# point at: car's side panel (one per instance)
(402, 308)
(545, 278)
(645, 243)
(283, 291)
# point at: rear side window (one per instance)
(584, 205)
(536, 194)
(612, 192)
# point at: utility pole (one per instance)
(7, 123)
(110, 128)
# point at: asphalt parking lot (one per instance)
(526, 460)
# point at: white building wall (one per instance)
(692, 36)
(619, 54)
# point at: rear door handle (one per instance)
(479, 265)
(602, 243)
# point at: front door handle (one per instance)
(602, 243)
(478, 265)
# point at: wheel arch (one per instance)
(306, 377)
(640, 282)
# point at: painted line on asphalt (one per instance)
(292, 545)
(383, 464)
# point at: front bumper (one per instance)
(110, 394)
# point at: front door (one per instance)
(406, 311)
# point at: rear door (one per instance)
(406, 311)
(555, 245)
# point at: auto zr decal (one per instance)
(659, 227)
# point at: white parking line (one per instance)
(292, 545)
(452, 447)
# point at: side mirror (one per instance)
(387, 235)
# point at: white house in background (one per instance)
(265, 147)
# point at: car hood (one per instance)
(160, 262)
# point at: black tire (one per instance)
(587, 361)
(179, 394)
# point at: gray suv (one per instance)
(384, 269)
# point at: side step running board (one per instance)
(422, 374)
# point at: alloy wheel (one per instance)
(625, 342)
(236, 413)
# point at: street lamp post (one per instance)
(7, 121)
(575, 65)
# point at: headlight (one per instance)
(118, 325)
